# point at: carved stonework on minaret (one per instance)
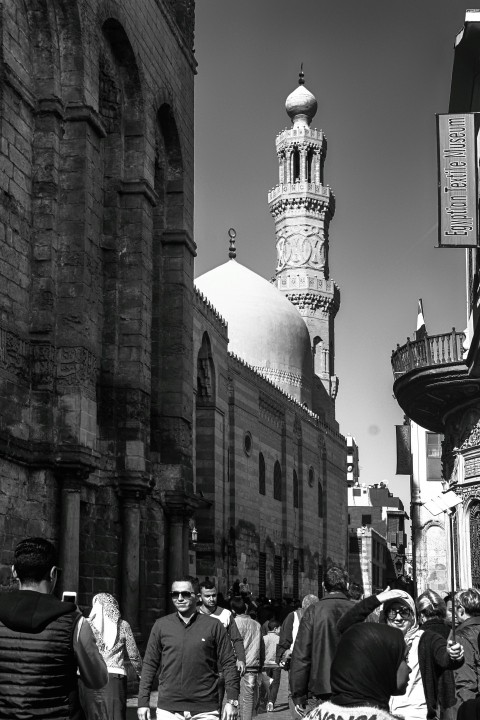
(302, 207)
(301, 246)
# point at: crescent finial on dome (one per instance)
(301, 75)
(232, 250)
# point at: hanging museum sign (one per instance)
(457, 180)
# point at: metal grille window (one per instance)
(295, 490)
(262, 573)
(277, 574)
(261, 474)
(277, 481)
(474, 544)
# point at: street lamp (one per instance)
(193, 530)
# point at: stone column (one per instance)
(177, 539)
(133, 488)
(131, 557)
(179, 507)
(303, 165)
(69, 542)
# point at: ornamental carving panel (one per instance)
(76, 366)
(302, 247)
(13, 354)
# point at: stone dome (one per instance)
(264, 328)
(301, 104)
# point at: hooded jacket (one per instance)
(38, 658)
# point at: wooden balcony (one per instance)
(431, 378)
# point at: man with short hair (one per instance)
(317, 641)
(208, 606)
(189, 649)
(251, 634)
(467, 677)
(43, 641)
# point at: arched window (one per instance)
(320, 500)
(277, 481)
(261, 474)
(311, 476)
(296, 166)
(295, 489)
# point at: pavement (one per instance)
(280, 711)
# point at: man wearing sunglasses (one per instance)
(189, 650)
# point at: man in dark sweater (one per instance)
(42, 642)
(189, 649)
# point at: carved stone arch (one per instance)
(169, 171)
(44, 48)
(206, 378)
(71, 50)
(121, 99)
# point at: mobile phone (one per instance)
(69, 597)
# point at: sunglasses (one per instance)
(404, 613)
(184, 594)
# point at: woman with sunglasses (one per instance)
(429, 654)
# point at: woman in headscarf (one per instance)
(368, 668)
(115, 641)
(429, 655)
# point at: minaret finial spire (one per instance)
(301, 75)
(232, 250)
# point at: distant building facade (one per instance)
(375, 507)
(369, 562)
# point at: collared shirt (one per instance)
(189, 657)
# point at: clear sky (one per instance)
(380, 70)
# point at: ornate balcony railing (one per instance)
(428, 351)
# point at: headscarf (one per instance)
(364, 669)
(104, 618)
(405, 599)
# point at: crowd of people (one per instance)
(384, 656)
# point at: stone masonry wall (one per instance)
(96, 268)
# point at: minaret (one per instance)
(302, 207)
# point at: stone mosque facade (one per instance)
(269, 457)
(134, 406)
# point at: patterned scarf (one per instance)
(104, 618)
